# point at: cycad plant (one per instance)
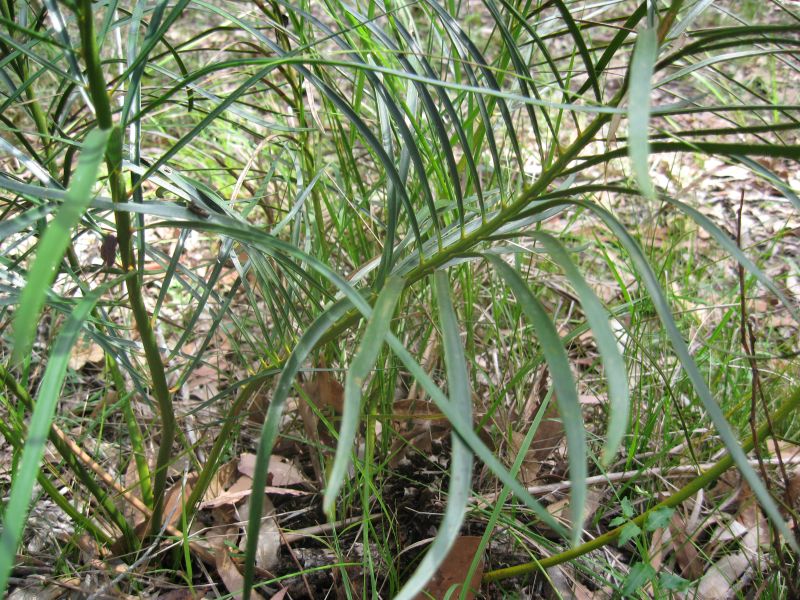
(350, 184)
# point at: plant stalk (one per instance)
(787, 408)
(102, 104)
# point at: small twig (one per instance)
(135, 502)
(288, 538)
(296, 563)
(748, 338)
(540, 490)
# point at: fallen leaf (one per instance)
(203, 383)
(269, 535)
(108, 250)
(257, 408)
(561, 511)
(221, 543)
(85, 352)
(560, 583)
(221, 480)
(234, 494)
(36, 591)
(530, 466)
(315, 433)
(324, 390)
(176, 499)
(182, 594)
(453, 571)
(283, 471)
(793, 490)
(686, 553)
(718, 582)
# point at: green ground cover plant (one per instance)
(520, 271)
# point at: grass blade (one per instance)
(271, 426)
(55, 241)
(16, 511)
(614, 364)
(363, 363)
(266, 243)
(564, 384)
(644, 59)
(461, 463)
(693, 372)
(724, 240)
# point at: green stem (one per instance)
(155, 364)
(134, 432)
(686, 492)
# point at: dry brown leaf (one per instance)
(85, 352)
(591, 399)
(788, 450)
(561, 511)
(36, 591)
(257, 409)
(453, 571)
(230, 575)
(324, 390)
(417, 424)
(412, 408)
(283, 471)
(316, 433)
(751, 516)
(686, 553)
(269, 535)
(226, 568)
(793, 490)
(718, 582)
(131, 483)
(182, 594)
(177, 496)
(234, 494)
(657, 548)
(549, 435)
(221, 480)
(561, 583)
(203, 382)
(530, 466)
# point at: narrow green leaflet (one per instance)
(271, 426)
(614, 364)
(726, 432)
(461, 463)
(644, 59)
(274, 247)
(363, 363)
(16, 511)
(564, 384)
(55, 241)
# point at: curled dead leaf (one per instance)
(269, 535)
(283, 471)
(454, 570)
(234, 494)
(325, 391)
(229, 573)
(85, 352)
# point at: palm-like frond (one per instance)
(371, 147)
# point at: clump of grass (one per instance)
(290, 172)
